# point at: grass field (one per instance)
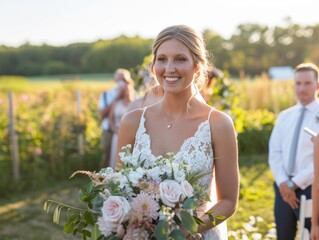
(46, 83)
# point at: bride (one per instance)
(184, 124)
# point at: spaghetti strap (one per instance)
(210, 113)
(142, 116)
(144, 109)
(141, 127)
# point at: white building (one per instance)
(281, 73)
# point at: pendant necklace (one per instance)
(171, 123)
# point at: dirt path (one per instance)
(26, 220)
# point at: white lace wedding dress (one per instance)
(197, 150)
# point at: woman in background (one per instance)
(118, 109)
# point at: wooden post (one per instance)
(14, 141)
(80, 135)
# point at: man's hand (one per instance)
(288, 195)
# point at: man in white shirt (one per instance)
(121, 77)
(292, 166)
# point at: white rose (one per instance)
(170, 192)
(187, 189)
(115, 210)
(179, 175)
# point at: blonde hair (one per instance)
(194, 41)
(126, 73)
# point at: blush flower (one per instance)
(170, 192)
(115, 210)
(187, 189)
(146, 206)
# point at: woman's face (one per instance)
(174, 66)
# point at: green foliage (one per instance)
(252, 125)
(48, 127)
(82, 221)
(255, 130)
(256, 200)
(250, 51)
(161, 230)
(13, 83)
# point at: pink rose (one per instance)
(106, 228)
(115, 210)
(187, 189)
(170, 192)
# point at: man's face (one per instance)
(305, 86)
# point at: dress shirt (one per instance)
(110, 97)
(280, 144)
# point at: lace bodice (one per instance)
(197, 150)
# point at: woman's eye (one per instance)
(160, 59)
(180, 59)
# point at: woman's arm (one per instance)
(127, 130)
(315, 192)
(226, 167)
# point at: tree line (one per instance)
(252, 49)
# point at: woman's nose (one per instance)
(170, 67)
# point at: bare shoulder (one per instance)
(220, 121)
(129, 126)
(137, 103)
(132, 118)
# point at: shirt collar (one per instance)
(312, 107)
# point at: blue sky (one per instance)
(60, 22)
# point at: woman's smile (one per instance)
(171, 80)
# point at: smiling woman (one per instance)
(184, 124)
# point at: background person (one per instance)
(183, 124)
(291, 151)
(153, 94)
(121, 77)
(117, 111)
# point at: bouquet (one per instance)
(138, 201)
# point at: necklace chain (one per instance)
(171, 123)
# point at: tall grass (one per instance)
(265, 94)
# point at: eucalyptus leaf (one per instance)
(212, 219)
(161, 230)
(95, 233)
(177, 234)
(89, 218)
(198, 220)
(190, 203)
(177, 220)
(68, 227)
(188, 222)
